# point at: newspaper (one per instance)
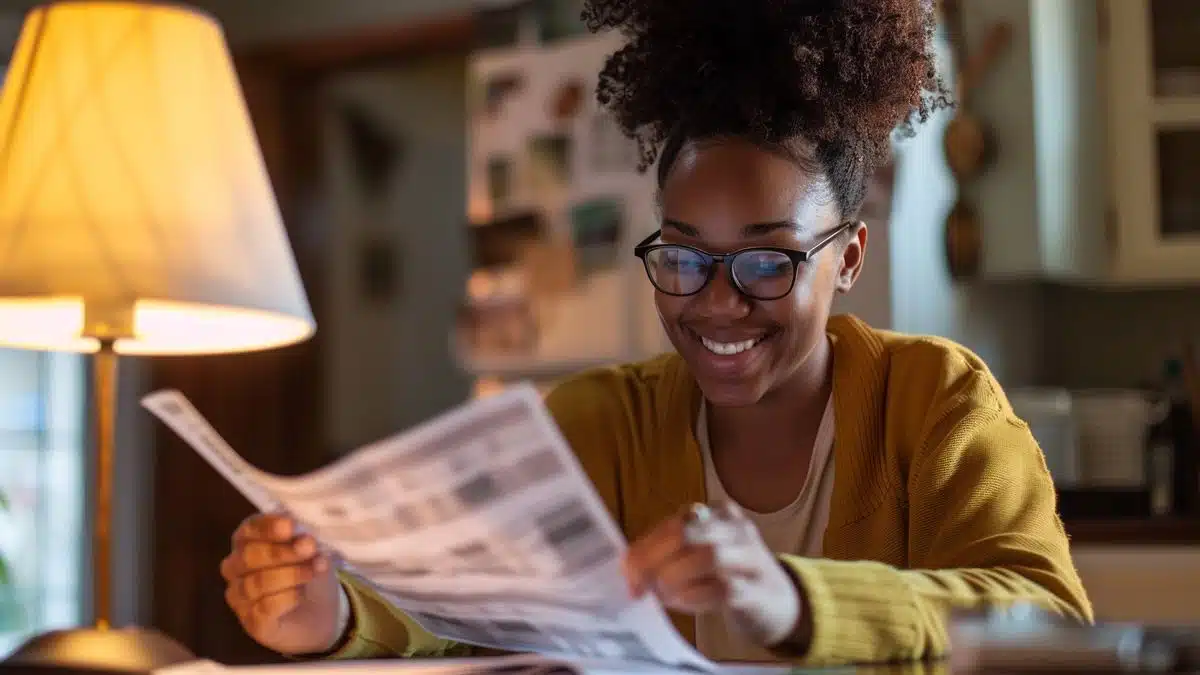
(480, 525)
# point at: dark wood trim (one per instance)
(1135, 532)
(372, 47)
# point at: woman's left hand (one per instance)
(713, 560)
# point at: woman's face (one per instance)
(728, 195)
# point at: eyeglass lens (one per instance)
(764, 275)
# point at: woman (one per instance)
(867, 482)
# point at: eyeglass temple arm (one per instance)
(648, 240)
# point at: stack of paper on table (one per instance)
(480, 525)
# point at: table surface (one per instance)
(456, 667)
(481, 667)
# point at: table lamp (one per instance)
(136, 218)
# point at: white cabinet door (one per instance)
(1153, 66)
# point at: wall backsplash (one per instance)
(1114, 338)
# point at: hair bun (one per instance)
(845, 72)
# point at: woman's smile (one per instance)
(728, 354)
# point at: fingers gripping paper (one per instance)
(480, 524)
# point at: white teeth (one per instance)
(729, 348)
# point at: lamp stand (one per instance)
(102, 649)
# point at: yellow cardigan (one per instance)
(941, 497)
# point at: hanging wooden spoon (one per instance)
(963, 241)
(969, 143)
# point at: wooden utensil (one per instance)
(969, 143)
(964, 242)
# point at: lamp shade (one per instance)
(135, 205)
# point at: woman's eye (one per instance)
(767, 267)
(683, 264)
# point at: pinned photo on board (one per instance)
(498, 89)
(550, 161)
(499, 181)
(556, 20)
(596, 230)
(567, 101)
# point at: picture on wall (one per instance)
(556, 20)
(498, 89)
(596, 230)
(550, 161)
(568, 100)
(499, 181)
(500, 242)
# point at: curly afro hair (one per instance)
(838, 75)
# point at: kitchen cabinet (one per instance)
(1095, 109)
(1153, 68)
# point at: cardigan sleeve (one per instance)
(378, 629)
(983, 530)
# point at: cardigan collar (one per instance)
(860, 367)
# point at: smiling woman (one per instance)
(761, 273)
(863, 483)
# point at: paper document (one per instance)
(480, 525)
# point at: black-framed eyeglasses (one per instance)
(759, 273)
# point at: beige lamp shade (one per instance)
(134, 202)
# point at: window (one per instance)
(42, 436)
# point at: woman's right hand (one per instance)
(285, 594)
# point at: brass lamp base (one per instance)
(89, 651)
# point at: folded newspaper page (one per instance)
(480, 524)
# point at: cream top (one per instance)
(797, 528)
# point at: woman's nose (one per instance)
(721, 299)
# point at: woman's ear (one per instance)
(853, 255)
